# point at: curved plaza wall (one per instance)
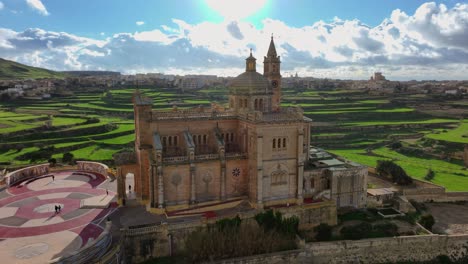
(26, 173)
(30, 172)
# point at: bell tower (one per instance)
(271, 70)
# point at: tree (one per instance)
(324, 232)
(67, 157)
(397, 173)
(429, 175)
(52, 161)
(396, 145)
(427, 221)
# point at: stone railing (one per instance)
(175, 159)
(26, 173)
(236, 155)
(189, 114)
(207, 156)
(92, 251)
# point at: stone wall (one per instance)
(92, 167)
(26, 173)
(382, 250)
(148, 242)
(427, 191)
(290, 256)
(313, 214)
(144, 242)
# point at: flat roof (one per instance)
(381, 191)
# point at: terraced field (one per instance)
(352, 124)
(90, 126)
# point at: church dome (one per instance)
(250, 83)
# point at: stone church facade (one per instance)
(252, 149)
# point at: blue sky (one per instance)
(406, 39)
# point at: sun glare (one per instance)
(236, 9)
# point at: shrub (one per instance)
(429, 175)
(67, 157)
(397, 173)
(275, 221)
(427, 221)
(228, 223)
(355, 232)
(248, 239)
(52, 161)
(396, 145)
(367, 230)
(324, 232)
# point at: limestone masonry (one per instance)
(253, 149)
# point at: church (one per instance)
(252, 149)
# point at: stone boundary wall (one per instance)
(382, 250)
(427, 191)
(144, 242)
(92, 251)
(290, 256)
(26, 173)
(92, 167)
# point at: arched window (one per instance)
(261, 105)
(199, 139)
(204, 139)
(170, 141)
(175, 140)
(232, 137)
(284, 142)
(255, 104)
(274, 143)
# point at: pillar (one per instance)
(223, 180)
(151, 187)
(260, 171)
(192, 184)
(300, 165)
(160, 188)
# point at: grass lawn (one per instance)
(448, 174)
(378, 123)
(459, 134)
(66, 121)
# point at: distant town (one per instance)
(96, 81)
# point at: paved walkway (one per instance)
(30, 229)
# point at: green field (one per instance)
(449, 174)
(94, 126)
(458, 134)
(14, 70)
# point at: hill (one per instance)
(13, 70)
(91, 73)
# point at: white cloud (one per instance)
(431, 43)
(140, 23)
(38, 6)
(153, 36)
(1, 5)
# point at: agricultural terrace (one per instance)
(350, 123)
